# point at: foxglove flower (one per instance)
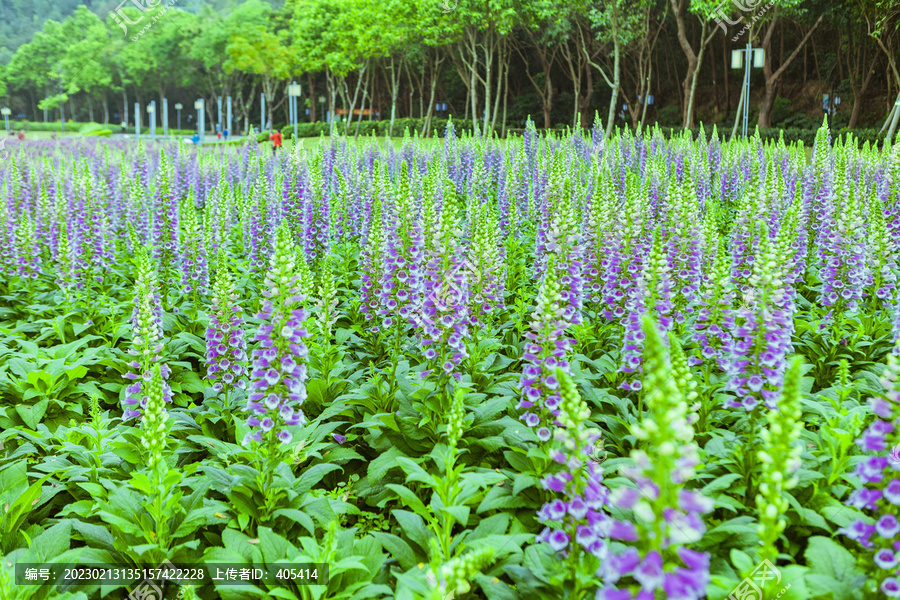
(194, 262)
(761, 329)
(155, 418)
(577, 524)
(546, 350)
(326, 300)
(780, 460)
(711, 331)
(146, 339)
(653, 295)
(278, 376)
(443, 318)
(667, 514)
(486, 265)
(879, 494)
(559, 235)
(226, 355)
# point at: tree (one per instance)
(772, 74)
(259, 50)
(616, 23)
(546, 25)
(703, 10)
(859, 55)
(205, 46)
(883, 24)
(479, 31)
(324, 37)
(84, 62)
(37, 67)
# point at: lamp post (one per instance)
(178, 107)
(165, 117)
(262, 112)
(294, 93)
(322, 102)
(830, 103)
(6, 112)
(745, 57)
(137, 119)
(198, 104)
(151, 116)
(228, 115)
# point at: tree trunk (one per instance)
(859, 91)
(395, 90)
(617, 56)
(426, 126)
(765, 110)
(503, 64)
(313, 101)
(739, 115)
(360, 74)
(893, 121)
(692, 63)
(505, 98)
(726, 69)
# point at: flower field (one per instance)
(535, 368)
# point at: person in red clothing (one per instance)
(276, 141)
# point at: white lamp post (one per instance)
(744, 57)
(151, 112)
(6, 112)
(178, 107)
(294, 92)
(198, 104)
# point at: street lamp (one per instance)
(294, 93)
(830, 103)
(746, 56)
(6, 112)
(198, 104)
(322, 102)
(178, 108)
(151, 112)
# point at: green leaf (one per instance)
(190, 382)
(409, 498)
(32, 415)
(414, 472)
(398, 548)
(414, 527)
(298, 516)
(829, 559)
(314, 475)
(742, 562)
(384, 462)
(499, 498)
(273, 547)
(95, 536)
(76, 372)
(53, 542)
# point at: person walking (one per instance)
(276, 141)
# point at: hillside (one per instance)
(22, 18)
